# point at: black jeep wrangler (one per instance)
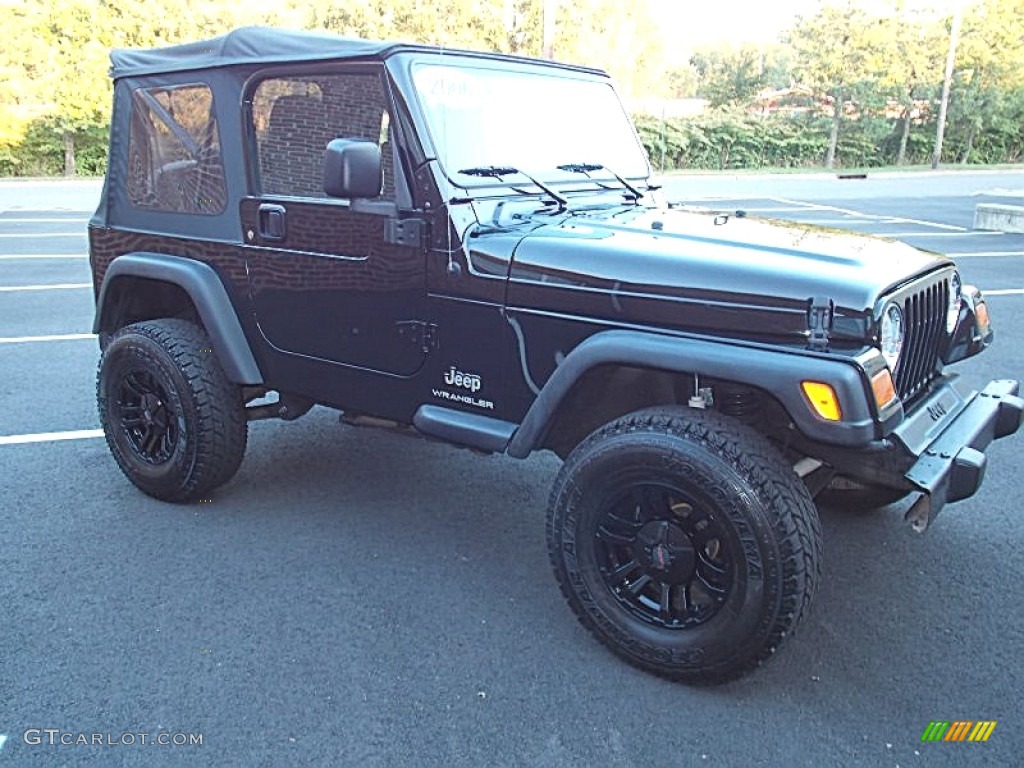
(471, 247)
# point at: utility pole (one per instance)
(954, 34)
(550, 11)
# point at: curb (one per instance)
(999, 217)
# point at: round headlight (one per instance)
(956, 290)
(892, 334)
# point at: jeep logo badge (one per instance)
(457, 378)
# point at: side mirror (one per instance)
(352, 168)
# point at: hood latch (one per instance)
(819, 323)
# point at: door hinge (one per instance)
(410, 233)
(419, 333)
(819, 323)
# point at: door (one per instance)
(325, 281)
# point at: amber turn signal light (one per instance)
(981, 315)
(823, 399)
(883, 388)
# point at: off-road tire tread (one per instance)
(795, 521)
(221, 427)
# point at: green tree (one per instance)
(681, 82)
(57, 76)
(621, 38)
(20, 100)
(836, 54)
(992, 43)
(58, 72)
(989, 73)
(730, 76)
(910, 62)
(77, 83)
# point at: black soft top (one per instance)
(247, 45)
(263, 45)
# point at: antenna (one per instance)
(444, 152)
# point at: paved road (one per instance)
(819, 186)
(355, 598)
(931, 211)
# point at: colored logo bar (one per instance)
(959, 730)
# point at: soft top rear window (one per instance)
(174, 155)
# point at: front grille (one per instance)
(924, 317)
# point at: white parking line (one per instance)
(50, 337)
(867, 216)
(819, 207)
(3, 740)
(851, 220)
(69, 220)
(43, 234)
(939, 234)
(923, 223)
(1004, 292)
(47, 211)
(787, 209)
(50, 437)
(50, 287)
(17, 256)
(712, 199)
(984, 253)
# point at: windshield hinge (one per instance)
(819, 323)
(410, 233)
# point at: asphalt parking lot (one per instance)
(356, 598)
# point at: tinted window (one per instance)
(533, 119)
(174, 158)
(295, 117)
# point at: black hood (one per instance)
(695, 270)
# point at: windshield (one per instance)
(535, 121)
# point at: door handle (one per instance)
(271, 222)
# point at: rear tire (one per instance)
(174, 423)
(684, 542)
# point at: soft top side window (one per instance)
(294, 117)
(174, 156)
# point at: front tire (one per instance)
(174, 423)
(684, 542)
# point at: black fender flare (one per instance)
(206, 290)
(778, 372)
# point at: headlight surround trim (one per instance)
(892, 334)
(956, 290)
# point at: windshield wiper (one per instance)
(498, 171)
(588, 168)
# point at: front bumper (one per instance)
(949, 434)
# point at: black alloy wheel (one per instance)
(145, 415)
(174, 423)
(663, 555)
(684, 542)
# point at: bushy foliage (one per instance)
(732, 140)
(53, 71)
(861, 64)
(716, 140)
(725, 139)
(41, 151)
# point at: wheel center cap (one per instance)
(150, 403)
(665, 552)
(661, 557)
